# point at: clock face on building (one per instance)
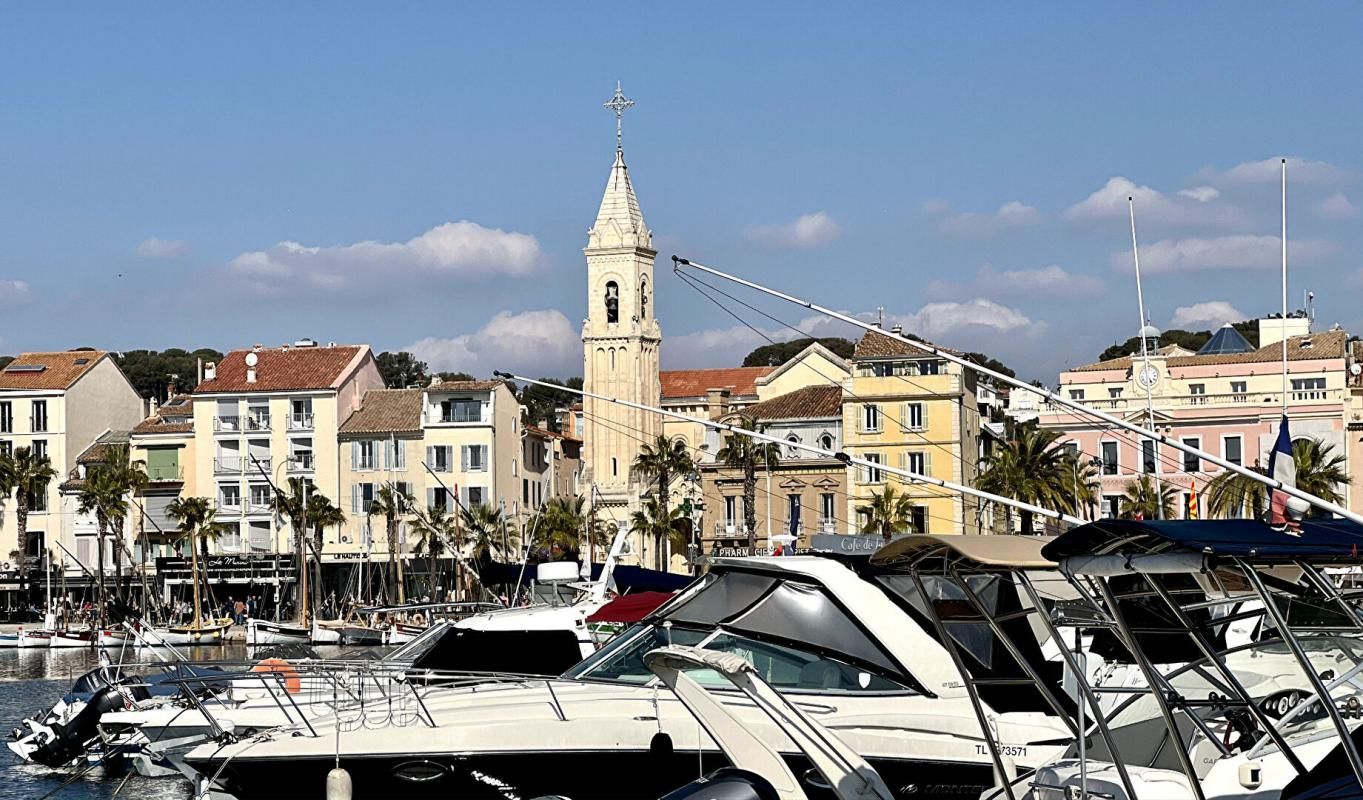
(1147, 377)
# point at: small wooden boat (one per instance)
(9, 639)
(404, 632)
(69, 638)
(364, 635)
(201, 633)
(325, 634)
(34, 638)
(116, 638)
(260, 632)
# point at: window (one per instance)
(612, 302)
(440, 498)
(365, 454)
(926, 368)
(525, 491)
(1199, 393)
(793, 514)
(913, 416)
(1232, 449)
(6, 417)
(1191, 463)
(730, 511)
(515, 470)
(792, 451)
(441, 458)
(916, 461)
(1076, 394)
(643, 299)
(300, 413)
(918, 519)
(1239, 388)
(1112, 507)
(37, 500)
(258, 416)
(870, 474)
(361, 497)
(1114, 392)
(870, 418)
(826, 441)
(39, 419)
(1149, 457)
(473, 457)
(615, 467)
(300, 455)
(461, 410)
(1109, 450)
(6, 448)
(477, 495)
(229, 495)
(826, 514)
(229, 539)
(1308, 388)
(260, 495)
(39, 448)
(397, 455)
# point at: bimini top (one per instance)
(1009, 552)
(1333, 540)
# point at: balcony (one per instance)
(1223, 400)
(165, 473)
(227, 424)
(301, 462)
(258, 506)
(230, 503)
(258, 422)
(455, 414)
(828, 525)
(227, 465)
(730, 527)
(300, 421)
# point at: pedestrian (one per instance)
(239, 613)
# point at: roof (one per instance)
(808, 403)
(465, 386)
(386, 411)
(1226, 340)
(49, 371)
(619, 222)
(1019, 552)
(740, 381)
(880, 345)
(98, 451)
(285, 369)
(158, 424)
(1336, 540)
(1330, 344)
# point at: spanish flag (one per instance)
(1192, 500)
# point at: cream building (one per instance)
(58, 404)
(908, 409)
(268, 414)
(164, 442)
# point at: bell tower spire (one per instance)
(620, 337)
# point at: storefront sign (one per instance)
(849, 544)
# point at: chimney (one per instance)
(250, 374)
(544, 425)
(716, 403)
(210, 371)
(170, 386)
(897, 329)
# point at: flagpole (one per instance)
(1145, 355)
(1284, 307)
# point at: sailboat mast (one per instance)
(1147, 372)
(194, 575)
(1284, 287)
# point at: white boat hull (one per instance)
(261, 632)
(34, 639)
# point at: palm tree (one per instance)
(484, 525)
(1143, 501)
(392, 505)
(662, 461)
(888, 513)
(125, 478)
(1030, 465)
(294, 505)
(101, 496)
(746, 453)
(435, 529)
(191, 514)
(1320, 471)
(565, 526)
(663, 524)
(25, 475)
(322, 514)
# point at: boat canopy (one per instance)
(1011, 552)
(630, 607)
(1335, 541)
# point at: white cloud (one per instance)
(1201, 194)
(534, 342)
(1299, 170)
(453, 249)
(153, 247)
(806, 231)
(1336, 206)
(14, 293)
(1013, 214)
(1051, 280)
(1152, 206)
(1222, 252)
(940, 320)
(1209, 314)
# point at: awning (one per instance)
(1011, 552)
(1337, 541)
(630, 607)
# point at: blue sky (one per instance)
(965, 169)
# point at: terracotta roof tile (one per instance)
(58, 370)
(1327, 345)
(98, 451)
(878, 345)
(811, 402)
(385, 411)
(284, 369)
(157, 424)
(465, 386)
(740, 381)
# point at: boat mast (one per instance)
(1147, 372)
(194, 575)
(1284, 306)
(1052, 397)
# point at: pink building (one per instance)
(1225, 399)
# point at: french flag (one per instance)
(1283, 469)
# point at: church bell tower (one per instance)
(620, 339)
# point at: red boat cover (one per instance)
(630, 607)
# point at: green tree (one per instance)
(436, 531)
(1030, 465)
(771, 355)
(485, 525)
(1144, 501)
(564, 526)
(454, 376)
(393, 505)
(293, 505)
(26, 475)
(748, 454)
(1320, 471)
(1189, 340)
(401, 370)
(540, 402)
(194, 517)
(888, 513)
(152, 373)
(128, 477)
(322, 514)
(661, 524)
(660, 461)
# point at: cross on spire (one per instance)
(618, 103)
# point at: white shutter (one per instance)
(904, 422)
(430, 457)
(464, 458)
(927, 462)
(355, 498)
(354, 455)
(400, 451)
(387, 454)
(430, 498)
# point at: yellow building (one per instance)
(264, 415)
(907, 409)
(164, 442)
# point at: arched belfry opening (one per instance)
(612, 302)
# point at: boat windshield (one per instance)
(784, 668)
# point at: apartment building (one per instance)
(57, 404)
(802, 496)
(264, 415)
(908, 409)
(1226, 399)
(1353, 423)
(165, 443)
(451, 444)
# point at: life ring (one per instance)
(279, 666)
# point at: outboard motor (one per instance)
(57, 743)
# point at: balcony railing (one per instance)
(1211, 400)
(301, 462)
(300, 421)
(730, 527)
(227, 503)
(228, 423)
(828, 525)
(165, 472)
(223, 465)
(258, 422)
(258, 506)
(458, 414)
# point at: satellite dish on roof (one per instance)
(252, 359)
(1356, 369)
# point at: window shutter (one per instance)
(905, 422)
(430, 498)
(464, 458)
(927, 462)
(355, 498)
(388, 454)
(401, 452)
(354, 455)
(430, 457)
